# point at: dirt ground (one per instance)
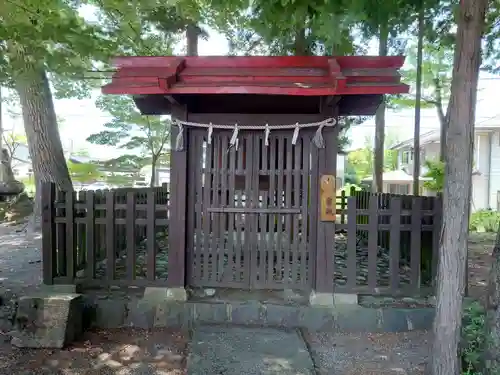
(162, 352)
(480, 247)
(104, 352)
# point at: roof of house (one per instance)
(266, 75)
(433, 136)
(425, 138)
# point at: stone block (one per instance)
(321, 299)
(210, 312)
(345, 299)
(251, 312)
(156, 295)
(139, 315)
(317, 318)
(50, 321)
(283, 316)
(110, 313)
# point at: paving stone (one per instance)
(247, 351)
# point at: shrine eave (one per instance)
(281, 75)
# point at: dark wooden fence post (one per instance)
(49, 247)
(177, 201)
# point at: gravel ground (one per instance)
(370, 354)
(20, 258)
(104, 352)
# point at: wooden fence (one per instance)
(120, 237)
(104, 237)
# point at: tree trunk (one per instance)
(492, 324)
(418, 94)
(152, 181)
(192, 32)
(442, 119)
(378, 162)
(457, 191)
(42, 133)
(300, 47)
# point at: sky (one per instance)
(81, 118)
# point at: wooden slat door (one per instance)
(249, 218)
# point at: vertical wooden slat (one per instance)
(279, 204)
(200, 175)
(130, 229)
(372, 241)
(207, 189)
(49, 251)
(90, 235)
(215, 217)
(351, 242)
(110, 235)
(305, 263)
(313, 213)
(437, 229)
(395, 234)
(270, 238)
(259, 259)
(192, 208)
(70, 236)
(222, 251)
(230, 273)
(415, 240)
(288, 203)
(151, 235)
(298, 277)
(61, 233)
(248, 245)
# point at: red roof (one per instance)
(282, 75)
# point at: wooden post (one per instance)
(49, 250)
(177, 199)
(327, 160)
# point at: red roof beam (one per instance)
(336, 76)
(308, 62)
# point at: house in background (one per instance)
(485, 176)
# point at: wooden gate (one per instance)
(251, 214)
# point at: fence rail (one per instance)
(384, 243)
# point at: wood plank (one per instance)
(230, 275)
(295, 232)
(395, 241)
(151, 237)
(130, 235)
(205, 273)
(49, 249)
(416, 239)
(200, 239)
(248, 244)
(191, 205)
(372, 242)
(215, 202)
(110, 236)
(224, 201)
(90, 235)
(304, 246)
(351, 243)
(288, 169)
(281, 140)
(70, 236)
